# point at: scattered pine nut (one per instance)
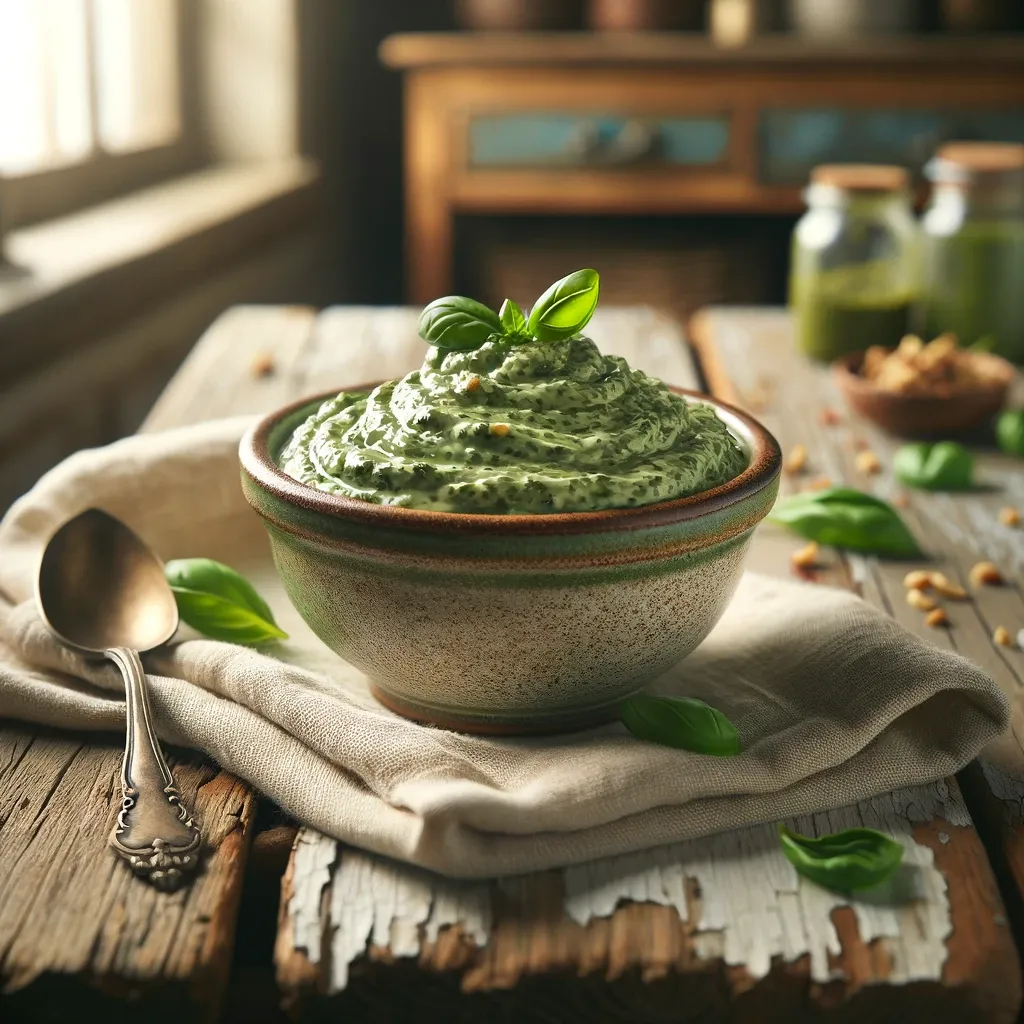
(867, 462)
(797, 459)
(985, 574)
(947, 588)
(829, 417)
(936, 618)
(473, 383)
(262, 364)
(819, 483)
(901, 501)
(1001, 636)
(859, 444)
(918, 579)
(1009, 516)
(500, 429)
(806, 557)
(920, 600)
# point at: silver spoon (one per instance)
(103, 592)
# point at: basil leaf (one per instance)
(457, 323)
(220, 603)
(512, 319)
(1010, 432)
(681, 722)
(857, 858)
(846, 518)
(946, 466)
(566, 307)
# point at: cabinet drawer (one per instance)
(548, 139)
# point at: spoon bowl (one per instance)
(101, 587)
(101, 591)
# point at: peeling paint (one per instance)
(753, 906)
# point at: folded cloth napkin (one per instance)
(834, 702)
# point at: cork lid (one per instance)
(862, 177)
(983, 157)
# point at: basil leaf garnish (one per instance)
(682, 722)
(1010, 432)
(220, 603)
(846, 518)
(566, 307)
(513, 320)
(857, 858)
(946, 466)
(457, 323)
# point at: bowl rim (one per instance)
(764, 467)
(847, 370)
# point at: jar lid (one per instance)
(959, 162)
(862, 177)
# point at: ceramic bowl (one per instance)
(508, 623)
(923, 415)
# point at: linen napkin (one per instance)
(834, 702)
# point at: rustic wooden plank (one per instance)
(720, 925)
(749, 359)
(77, 931)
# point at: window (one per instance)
(93, 100)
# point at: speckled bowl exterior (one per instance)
(508, 623)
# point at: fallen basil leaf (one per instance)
(946, 466)
(566, 307)
(512, 318)
(457, 323)
(857, 858)
(220, 603)
(842, 517)
(1010, 432)
(682, 722)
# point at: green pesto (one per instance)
(584, 432)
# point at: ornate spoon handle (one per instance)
(155, 833)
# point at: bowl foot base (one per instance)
(502, 723)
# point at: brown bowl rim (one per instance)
(765, 465)
(847, 367)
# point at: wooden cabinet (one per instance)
(665, 123)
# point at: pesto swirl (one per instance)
(529, 427)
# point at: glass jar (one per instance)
(853, 274)
(973, 246)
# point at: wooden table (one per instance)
(707, 930)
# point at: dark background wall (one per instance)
(352, 123)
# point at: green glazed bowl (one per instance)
(508, 623)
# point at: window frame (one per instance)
(42, 195)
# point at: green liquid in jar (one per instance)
(974, 286)
(848, 309)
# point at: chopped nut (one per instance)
(1009, 516)
(936, 619)
(947, 588)
(829, 417)
(819, 483)
(500, 429)
(985, 574)
(796, 460)
(901, 501)
(1001, 636)
(807, 556)
(920, 600)
(473, 383)
(918, 579)
(262, 364)
(867, 462)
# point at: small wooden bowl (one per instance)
(916, 415)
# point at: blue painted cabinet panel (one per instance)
(793, 141)
(584, 140)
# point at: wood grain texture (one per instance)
(77, 931)
(717, 929)
(415, 50)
